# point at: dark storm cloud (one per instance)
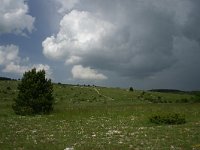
(142, 44)
(153, 40)
(191, 29)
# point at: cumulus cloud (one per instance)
(131, 38)
(14, 17)
(12, 63)
(86, 73)
(73, 60)
(15, 68)
(80, 32)
(20, 69)
(65, 5)
(8, 54)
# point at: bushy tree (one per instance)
(131, 89)
(35, 94)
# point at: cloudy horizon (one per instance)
(146, 44)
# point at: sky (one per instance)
(146, 44)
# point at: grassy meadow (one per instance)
(88, 117)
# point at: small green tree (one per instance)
(131, 89)
(35, 94)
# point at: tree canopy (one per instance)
(35, 94)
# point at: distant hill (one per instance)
(5, 78)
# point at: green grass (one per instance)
(111, 118)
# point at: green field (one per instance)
(87, 117)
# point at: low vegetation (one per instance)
(92, 117)
(168, 118)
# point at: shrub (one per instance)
(8, 88)
(143, 93)
(168, 118)
(35, 94)
(183, 100)
(196, 99)
(5, 92)
(131, 89)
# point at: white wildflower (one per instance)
(69, 148)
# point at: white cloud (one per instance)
(65, 5)
(73, 60)
(15, 68)
(9, 53)
(12, 63)
(79, 72)
(80, 32)
(20, 69)
(14, 17)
